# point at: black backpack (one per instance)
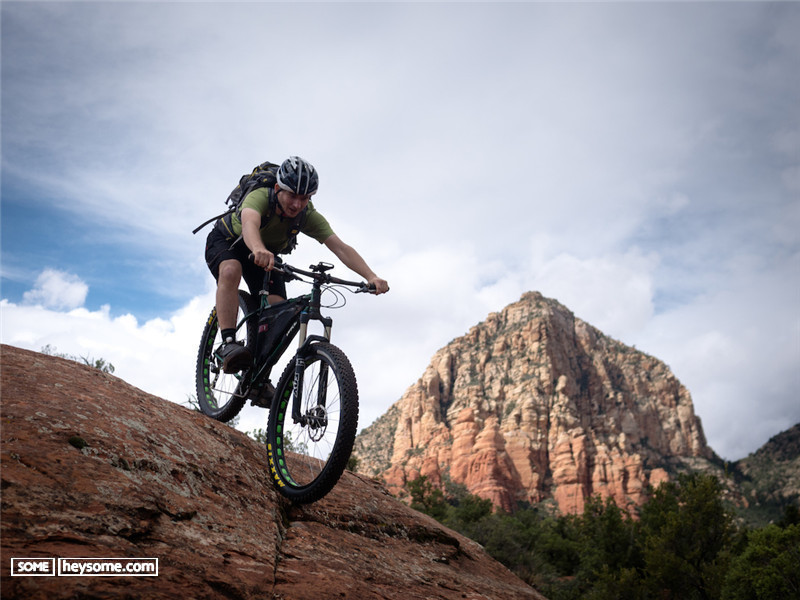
(264, 175)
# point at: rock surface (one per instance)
(534, 404)
(93, 467)
(770, 477)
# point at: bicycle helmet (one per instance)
(298, 176)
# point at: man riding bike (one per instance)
(263, 226)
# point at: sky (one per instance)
(638, 162)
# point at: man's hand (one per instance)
(264, 258)
(381, 285)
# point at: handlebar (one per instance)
(318, 274)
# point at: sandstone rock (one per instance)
(93, 467)
(535, 404)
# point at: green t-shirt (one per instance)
(276, 231)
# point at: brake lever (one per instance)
(279, 266)
(287, 274)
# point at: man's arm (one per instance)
(353, 261)
(251, 223)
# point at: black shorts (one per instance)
(218, 249)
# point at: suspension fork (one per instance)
(304, 343)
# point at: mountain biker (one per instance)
(244, 232)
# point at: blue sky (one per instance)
(640, 163)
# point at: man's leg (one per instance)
(235, 357)
(230, 274)
(277, 288)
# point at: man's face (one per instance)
(291, 204)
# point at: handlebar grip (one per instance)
(366, 288)
(278, 264)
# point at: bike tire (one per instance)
(307, 460)
(217, 391)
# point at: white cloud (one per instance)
(737, 350)
(57, 290)
(157, 356)
(613, 292)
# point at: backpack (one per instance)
(264, 175)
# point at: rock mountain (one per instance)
(92, 467)
(534, 404)
(769, 478)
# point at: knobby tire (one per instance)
(218, 393)
(306, 461)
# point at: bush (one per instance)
(685, 533)
(680, 547)
(98, 363)
(768, 568)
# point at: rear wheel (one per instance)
(309, 452)
(219, 394)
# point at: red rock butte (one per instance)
(534, 404)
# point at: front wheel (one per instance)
(310, 436)
(219, 394)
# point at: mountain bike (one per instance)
(314, 406)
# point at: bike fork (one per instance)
(299, 366)
(299, 370)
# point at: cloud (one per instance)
(737, 350)
(57, 290)
(613, 292)
(157, 356)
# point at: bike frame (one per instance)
(256, 377)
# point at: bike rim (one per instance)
(304, 449)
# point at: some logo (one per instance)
(33, 567)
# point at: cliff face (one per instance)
(92, 467)
(535, 404)
(770, 477)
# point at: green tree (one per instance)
(470, 509)
(791, 516)
(259, 435)
(680, 547)
(427, 498)
(686, 532)
(610, 555)
(608, 536)
(352, 463)
(191, 402)
(768, 568)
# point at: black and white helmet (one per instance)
(298, 176)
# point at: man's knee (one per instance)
(230, 272)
